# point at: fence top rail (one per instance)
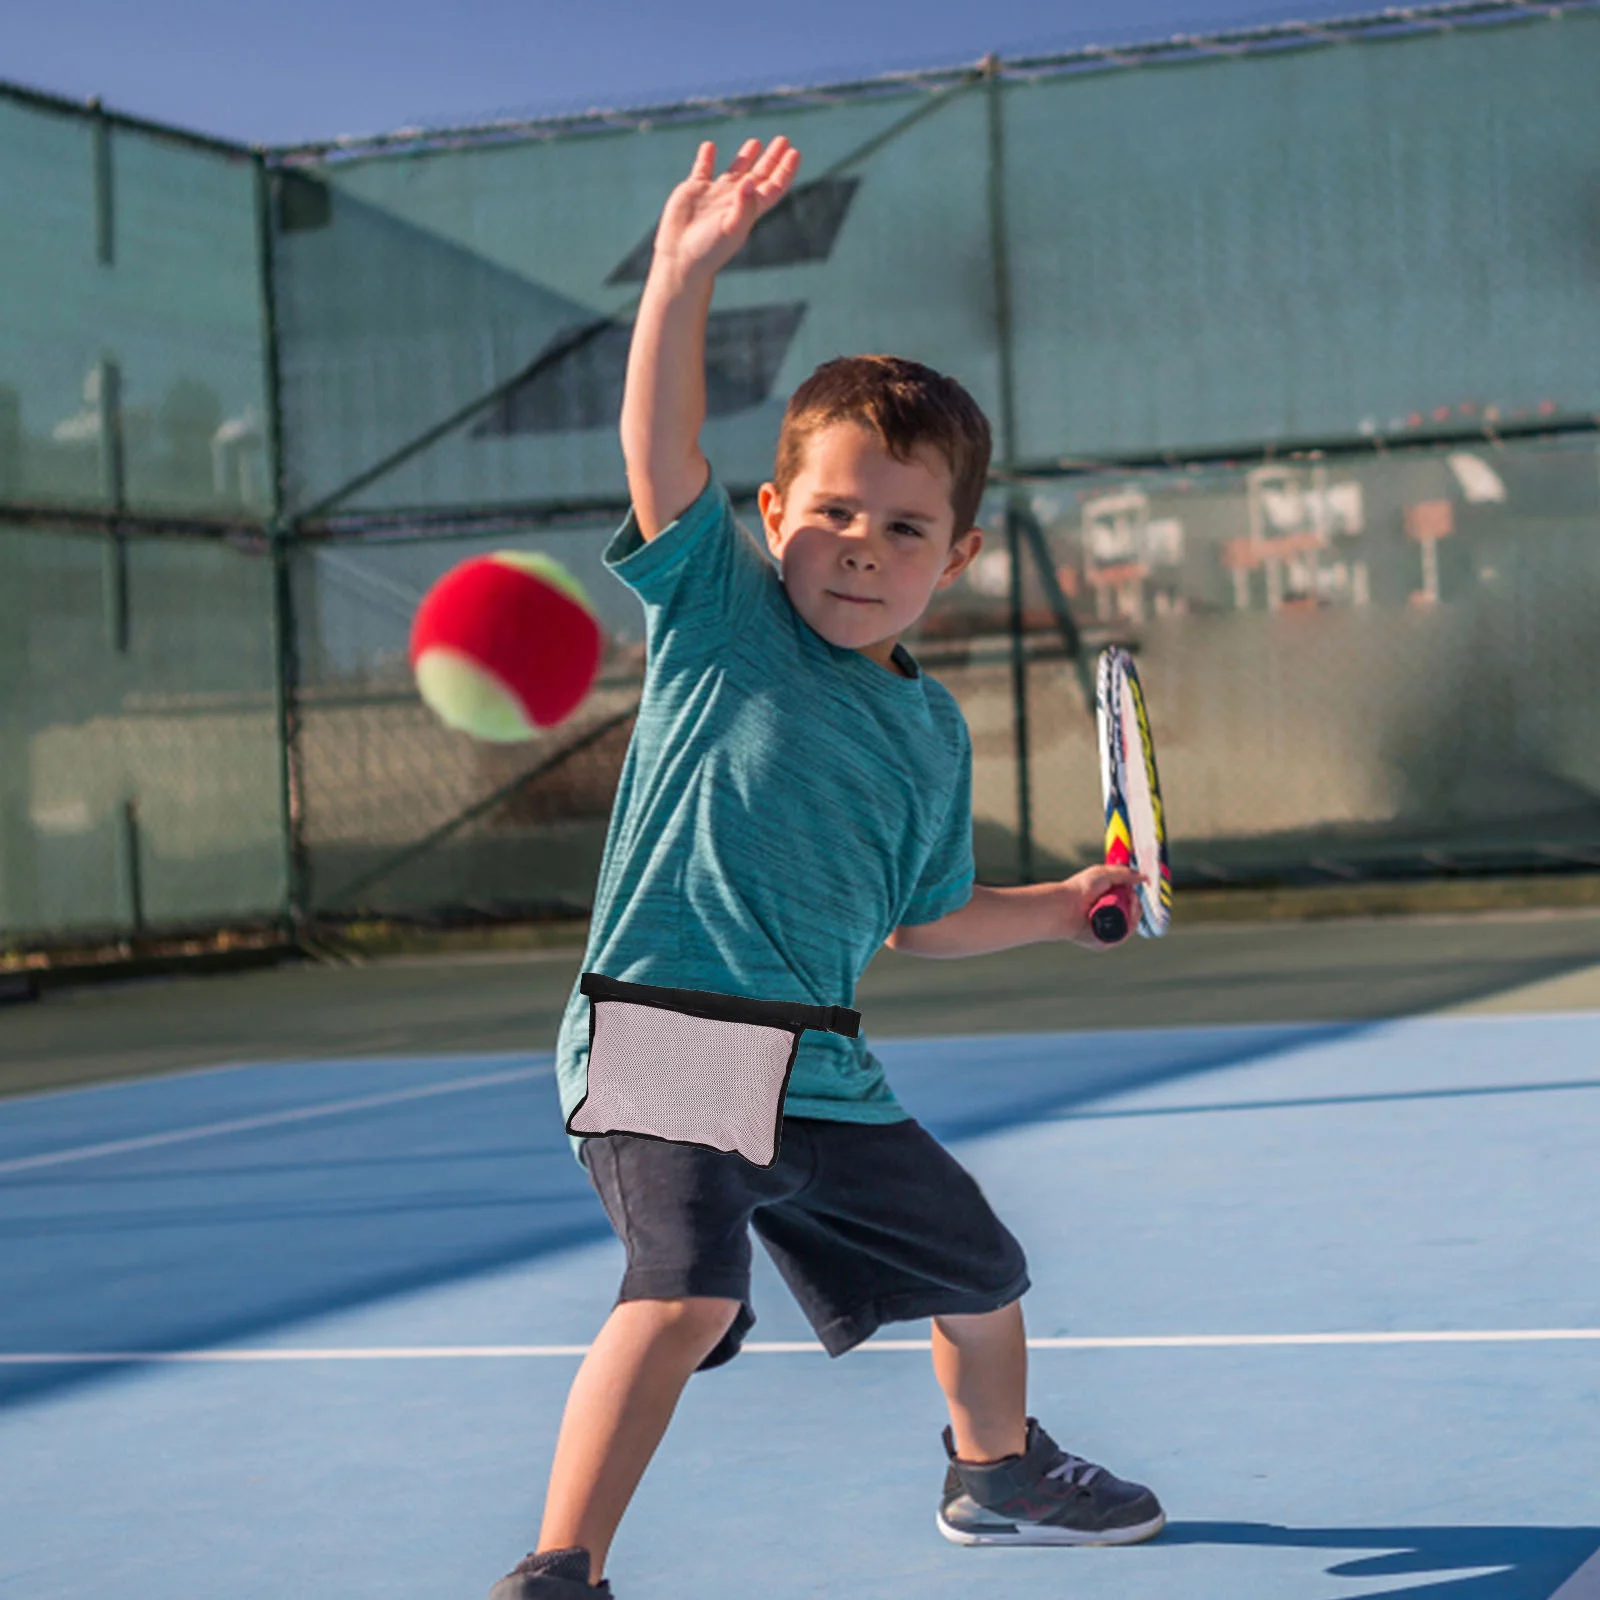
(93, 110)
(1391, 22)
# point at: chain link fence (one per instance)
(1290, 341)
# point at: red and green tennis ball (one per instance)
(504, 645)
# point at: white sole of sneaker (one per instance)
(1033, 1533)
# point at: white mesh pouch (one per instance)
(692, 1067)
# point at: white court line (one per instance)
(496, 1352)
(1584, 1584)
(164, 1077)
(271, 1119)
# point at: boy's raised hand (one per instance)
(707, 219)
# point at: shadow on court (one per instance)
(1528, 1563)
(204, 1243)
(967, 1088)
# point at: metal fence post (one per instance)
(1001, 267)
(281, 532)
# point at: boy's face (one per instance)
(858, 522)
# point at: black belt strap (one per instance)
(792, 1014)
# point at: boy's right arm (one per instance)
(705, 222)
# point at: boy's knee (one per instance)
(701, 1317)
(710, 1315)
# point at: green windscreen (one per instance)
(410, 288)
(140, 782)
(131, 331)
(1312, 245)
(139, 787)
(1298, 245)
(1296, 344)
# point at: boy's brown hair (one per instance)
(907, 405)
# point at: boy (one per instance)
(796, 794)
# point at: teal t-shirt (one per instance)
(784, 805)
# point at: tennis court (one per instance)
(297, 1285)
(1285, 335)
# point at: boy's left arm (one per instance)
(1001, 919)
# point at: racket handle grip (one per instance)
(1109, 915)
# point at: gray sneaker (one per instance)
(552, 1575)
(1043, 1496)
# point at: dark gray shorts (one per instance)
(867, 1222)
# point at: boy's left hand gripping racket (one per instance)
(1136, 827)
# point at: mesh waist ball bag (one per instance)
(691, 1067)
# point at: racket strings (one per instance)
(1135, 825)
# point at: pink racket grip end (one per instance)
(1111, 915)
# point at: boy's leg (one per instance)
(1009, 1482)
(981, 1363)
(617, 1411)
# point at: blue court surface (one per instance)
(1332, 1291)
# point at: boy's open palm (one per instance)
(707, 219)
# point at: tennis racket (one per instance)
(1136, 827)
